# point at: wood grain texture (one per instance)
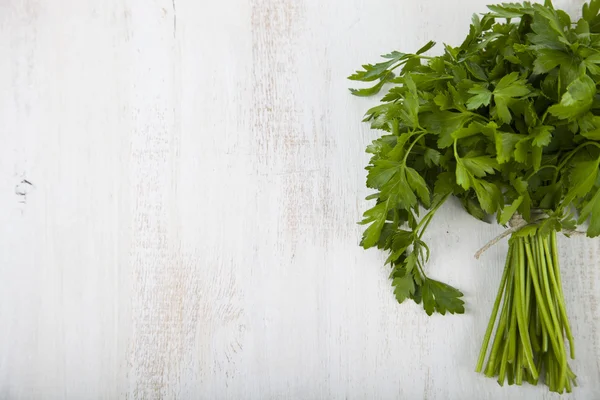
(179, 185)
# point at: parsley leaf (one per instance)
(482, 97)
(508, 122)
(577, 100)
(509, 87)
(591, 211)
(440, 297)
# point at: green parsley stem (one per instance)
(528, 339)
(545, 318)
(539, 169)
(490, 327)
(427, 218)
(522, 310)
(571, 154)
(558, 284)
(411, 146)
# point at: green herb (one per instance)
(509, 123)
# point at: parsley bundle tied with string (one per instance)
(508, 123)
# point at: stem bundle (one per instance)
(529, 341)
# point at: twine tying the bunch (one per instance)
(517, 222)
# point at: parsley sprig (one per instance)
(505, 122)
(509, 123)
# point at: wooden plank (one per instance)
(188, 230)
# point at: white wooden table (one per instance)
(179, 186)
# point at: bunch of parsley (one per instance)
(508, 123)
